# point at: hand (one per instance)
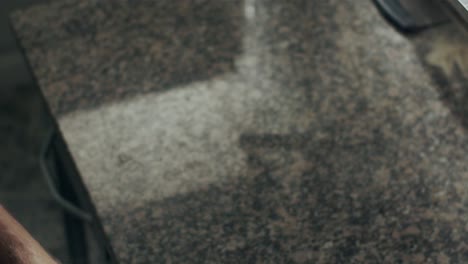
(16, 244)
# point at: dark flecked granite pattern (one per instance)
(306, 132)
(101, 32)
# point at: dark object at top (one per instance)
(411, 15)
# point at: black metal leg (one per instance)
(76, 237)
(78, 226)
(75, 228)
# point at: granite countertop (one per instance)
(259, 131)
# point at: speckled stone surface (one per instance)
(259, 131)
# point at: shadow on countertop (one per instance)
(109, 51)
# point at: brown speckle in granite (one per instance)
(118, 50)
(443, 259)
(257, 131)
